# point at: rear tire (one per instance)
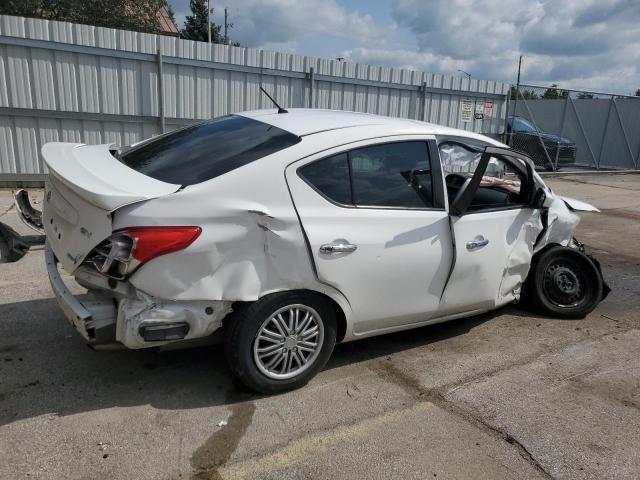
(269, 344)
(564, 283)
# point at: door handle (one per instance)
(477, 243)
(338, 247)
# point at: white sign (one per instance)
(488, 109)
(466, 110)
(479, 115)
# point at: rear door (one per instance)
(377, 228)
(494, 227)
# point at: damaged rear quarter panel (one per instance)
(251, 242)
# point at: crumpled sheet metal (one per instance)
(251, 244)
(560, 224)
(519, 258)
(134, 312)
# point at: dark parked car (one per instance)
(524, 136)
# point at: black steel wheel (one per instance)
(564, 282)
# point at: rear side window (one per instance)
(389, 175)
(330, 176)
(204, 151)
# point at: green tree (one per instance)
(552, 92)
(136, 15)
(526, 94)
(638, 92)
(585, 95)
(195, 25)
(63, 10)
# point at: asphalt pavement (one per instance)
(504, 395)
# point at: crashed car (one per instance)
(281, 234)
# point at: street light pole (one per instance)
(466, 73)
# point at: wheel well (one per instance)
(341, 319)
(542, 250)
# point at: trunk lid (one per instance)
(86, 185)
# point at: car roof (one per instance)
(307, 121)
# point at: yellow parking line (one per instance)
(313, 445)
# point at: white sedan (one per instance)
(280, 234)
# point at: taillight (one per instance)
(127, 249)
(151, 242)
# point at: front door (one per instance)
(377, 229)
(494, 229)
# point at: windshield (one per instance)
(204, 151)
(521, 125)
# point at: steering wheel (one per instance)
(455, 180)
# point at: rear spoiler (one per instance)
(93, 173)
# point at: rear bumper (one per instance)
(94, 317)
(109, 315)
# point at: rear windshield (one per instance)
(200, 152)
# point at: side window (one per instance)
(502, 186)
(330, 176)
(392, 175)
(388, 175)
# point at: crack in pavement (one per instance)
(7, 210)
(411, 385)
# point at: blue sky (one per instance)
(581, 44)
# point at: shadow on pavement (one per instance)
(45, 368)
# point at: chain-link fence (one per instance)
(559, 128)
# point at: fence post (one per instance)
(515, 109)
(505, 137)
(424, 101)
(311, 86)
(564, 113)
(604, 133)
(160, 93)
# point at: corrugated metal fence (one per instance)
(68, 82)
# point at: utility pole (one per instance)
(209, 20)
(226, 27)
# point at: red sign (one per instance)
(488, 109)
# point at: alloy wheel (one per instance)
(288, 342)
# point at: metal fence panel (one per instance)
(68, 82)
(573, 128)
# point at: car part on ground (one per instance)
(14, 246)
(31, 217)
